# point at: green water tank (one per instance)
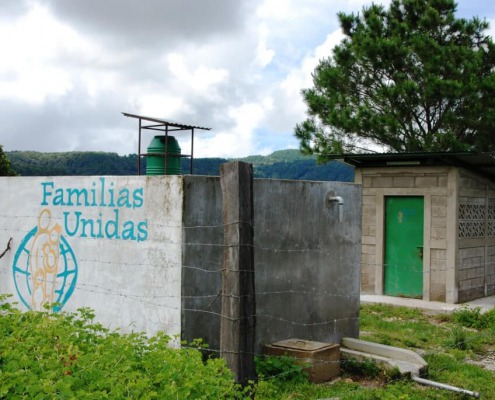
(155, 163)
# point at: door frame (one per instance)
(380, 236)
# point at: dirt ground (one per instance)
(487, 360)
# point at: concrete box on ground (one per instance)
(323, 359)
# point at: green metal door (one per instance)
(404, 246)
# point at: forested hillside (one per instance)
(283, 164)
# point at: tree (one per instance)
(5, 168)
(410, 78)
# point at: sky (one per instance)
(69, 68)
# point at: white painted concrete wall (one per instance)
(110, 243)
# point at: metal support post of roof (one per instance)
(166, 127)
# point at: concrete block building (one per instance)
(428, 225)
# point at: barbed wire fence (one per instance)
(207, 305)
(157, 301)
(199, 300)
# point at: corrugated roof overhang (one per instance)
(165, 123)
(480, 163)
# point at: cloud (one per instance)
(264, 55)
(69, 68)
(211, 63)
(13, 9)
(29, 65)
(73, 122)
(151, 23)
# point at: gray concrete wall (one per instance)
(146, 253)
(202, 237)
(306, 261)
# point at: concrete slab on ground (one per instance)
(407, 361)
(485, 303)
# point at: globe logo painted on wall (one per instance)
(45, 267)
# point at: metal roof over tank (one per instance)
(480, 163)
(165, 126)
(164, 123)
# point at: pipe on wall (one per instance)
(332, 199)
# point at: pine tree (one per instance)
(412, 77)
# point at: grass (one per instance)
(448, 342)
(45, 355)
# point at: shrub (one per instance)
(69, 355)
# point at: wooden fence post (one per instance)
(237, 328)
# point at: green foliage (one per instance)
(410, 328)
(277, 156)
(5, 165)
(444, 367)
(282, 369)
(369, 370)
(401, 326)
(470, 318)
(412, 77)
(447, 342)
(70, 356)
(458, 339)
(365, 368)
(283, 164)
(32, 163)
(306, 170)
(474, 318)
(203, 166)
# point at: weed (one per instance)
(386, 340)
(281, 368)
(490, 318)
(410, 343)
(457, 339)
(364, 368)
(68, 355)
(470, 318)
(452, 369)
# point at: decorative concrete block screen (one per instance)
(476, 267)
(146, 253)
